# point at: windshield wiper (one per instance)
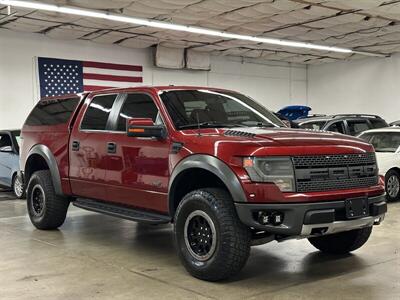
(209, 125)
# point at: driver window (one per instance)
(336, 127)
(5, 143)
(137, 106)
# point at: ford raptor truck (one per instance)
(218, 165)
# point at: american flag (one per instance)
(63, 76)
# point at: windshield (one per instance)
(385, 141)
(207, 108)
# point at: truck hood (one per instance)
(275, 141)
(293, 137)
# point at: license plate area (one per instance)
(357, 208)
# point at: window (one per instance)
(213, 108)
(52, 112)
(97, 114)
(378, 123)
(386, 141)
(137, 106)
(313, 125)
(357, 126)
(5, 143)
(366, 136)
(336, 127)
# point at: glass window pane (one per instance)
(357, 126)
(222, 108)
(137, 106)
(52, 112)
(386, 141)
(336, 127)
(97, 114)
(378, 123)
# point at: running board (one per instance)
(123, 212)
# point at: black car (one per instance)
(350, 124)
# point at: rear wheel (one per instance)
(212, 242)
(392, 185)
(46, 209)
(342, 242)
(18, 187)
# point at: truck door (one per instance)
(138, 172)
(88, 147)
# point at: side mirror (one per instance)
(6, 149)
(144, 127)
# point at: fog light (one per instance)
(274, 218)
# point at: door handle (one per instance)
(111, 147)
(75, 145)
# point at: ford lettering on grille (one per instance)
(328, 172)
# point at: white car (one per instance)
(386, 142)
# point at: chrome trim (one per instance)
(340, 226)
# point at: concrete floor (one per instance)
(98, 257)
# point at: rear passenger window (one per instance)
(357, 126)
(378, 123)
(52, 112)
(137, 106)
(97, 114)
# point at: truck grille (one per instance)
(335, 172)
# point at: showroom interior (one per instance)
(308, 87)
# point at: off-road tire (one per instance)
(396, 176)
(55, 207)
(232, 237)
(342, 242)
(18, 195)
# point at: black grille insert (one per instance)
(335, 172)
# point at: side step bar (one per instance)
(123, 212)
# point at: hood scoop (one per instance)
(239, 133)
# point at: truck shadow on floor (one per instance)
(273, 263)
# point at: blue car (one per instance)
(294, 112)
(9, 162)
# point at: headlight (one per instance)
(278, 170)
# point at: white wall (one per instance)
(370, 85)
(273, 84)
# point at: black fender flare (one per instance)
(212, 164)
(48, 156)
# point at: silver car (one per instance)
(9, 161)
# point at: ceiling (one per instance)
(363, 25)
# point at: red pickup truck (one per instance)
(218, 165)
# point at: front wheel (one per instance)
(212, 242)
(392, 185)
(18, 187)
(342, 242)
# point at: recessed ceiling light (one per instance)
(170, 26)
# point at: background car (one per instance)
(350, 124)
(387, 146)
(9, 161)
(395, 123)
(293, 112)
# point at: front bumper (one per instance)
(307, 219)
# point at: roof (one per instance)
(337, 117)
(385, 129)
(144, 87)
